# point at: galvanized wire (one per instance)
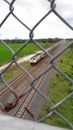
(50, 57)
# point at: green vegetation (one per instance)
(58, 89)
(6, 55)
(13, 70)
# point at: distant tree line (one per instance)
(45, 40)
(49, 40)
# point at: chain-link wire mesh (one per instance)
(51, 64)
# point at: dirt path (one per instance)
(23, 59)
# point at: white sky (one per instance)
(30, 12)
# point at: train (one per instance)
(40, 55)
(36, 58)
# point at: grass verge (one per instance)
(13, 70)
(58, 89)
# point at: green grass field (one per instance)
(5, 54)
(58, 89)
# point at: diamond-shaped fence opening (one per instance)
(32, 80)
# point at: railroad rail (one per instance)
(25, 97)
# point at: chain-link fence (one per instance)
(51, 64)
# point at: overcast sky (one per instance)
(30, 12)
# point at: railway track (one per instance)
(23, 107)
(20, 84)
(16, 83)
(13, 81)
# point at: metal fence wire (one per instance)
(51, 64)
